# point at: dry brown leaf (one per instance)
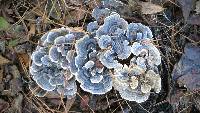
(24, 60)
(186, 6)
(74, 16)
(150, 8)
(186, 71)
(3, 60)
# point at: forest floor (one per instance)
(176, 29)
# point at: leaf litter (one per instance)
(161, 16)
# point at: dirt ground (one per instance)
(176, 29)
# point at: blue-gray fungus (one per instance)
(92, 75)
(148, 51)
(100, 13)
(53, 62)
(104, 41)
(119, 41)
(112, 40)
(107, 58)
(92, 26)
(113, 26)
(137, 31)
(37, 57)
(134, 84)
(113, 53)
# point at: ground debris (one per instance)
(29, 20)
(16, 106)
(3, 105)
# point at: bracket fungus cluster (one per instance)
(53, 61)
(113, 53)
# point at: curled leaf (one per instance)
(150, 8)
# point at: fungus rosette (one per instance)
(147, 54)
(120, 41)
(138, 31)
(113, 25)
(92, 75)
(134, 84)
(92, 27)
(53, 65)
(112, 40)
(99, 14)
(112, 45)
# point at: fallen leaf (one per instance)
(3, 105)
(74, 16)
(187, 72)
(24, 60)
(3, 24)
(194, 20)
(197, 9)
(3, 60)
(150, 8)
(32, 29)
(186, 6)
